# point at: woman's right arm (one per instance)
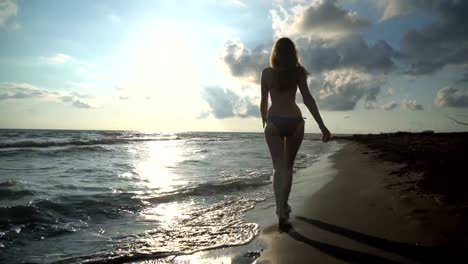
(312, 106)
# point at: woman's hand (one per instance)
(326, 135)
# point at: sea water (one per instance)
(77, 196)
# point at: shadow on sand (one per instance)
(416, 253)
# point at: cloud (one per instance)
(327, 38)
(344, 67)
(411, 105)
(224, 103)
(67, 98)
(17, 91)
(451, 97)
(389, 106)
(80, 104)
(352, 51)
(342, 89)
(393, 8)
(318, 54)
(8, 8)
(245, 63)
(371, 105)
(444, 42)
(321, 18)
(386, 107)
(57, 58)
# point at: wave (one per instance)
(112, 141)
(12, 190)
(234, 185)
(108, 204)
(68, 208)
(9, 183)
(7, 194)
(28, 152)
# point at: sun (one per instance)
(159, 66)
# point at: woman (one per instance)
(284, 123)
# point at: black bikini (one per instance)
(286, 125)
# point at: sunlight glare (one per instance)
(161, 66)
(156, 170)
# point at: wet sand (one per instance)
(370, 213)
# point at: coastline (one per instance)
(357, 218)
(351, 207)
(306, 181)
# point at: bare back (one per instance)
(283, 101)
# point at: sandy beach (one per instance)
(369, 214)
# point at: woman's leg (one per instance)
(292, 145)
(276, 145)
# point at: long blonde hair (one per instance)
(285, 62)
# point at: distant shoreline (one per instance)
(334, 135)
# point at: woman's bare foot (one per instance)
(284, 225)
(283, 219)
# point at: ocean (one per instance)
(75, 196)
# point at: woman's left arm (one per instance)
(264, 100)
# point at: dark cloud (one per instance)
(224, 103)
(319, 19)
(326, 17)
(352, 51)
(317, 53)
(344, 67)
(342, 89)
(411, 105)
(243, 62)
(393, 8)
(452, 97)
(221, 101)
(441, 43)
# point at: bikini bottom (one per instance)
(286, 125)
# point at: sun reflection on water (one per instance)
(164, 213)
(156, 169)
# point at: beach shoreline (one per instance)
(358, 218)
(306, 181)
(361, 211)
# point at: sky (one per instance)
(375, 65)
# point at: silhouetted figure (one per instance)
(284, 128)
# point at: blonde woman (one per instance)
(284, 128)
